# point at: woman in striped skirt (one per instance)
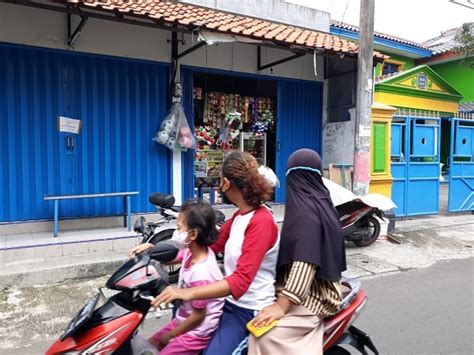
(310, 262)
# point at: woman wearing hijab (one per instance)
(310, 262)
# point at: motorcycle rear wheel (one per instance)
(375, 224)
(173, 270)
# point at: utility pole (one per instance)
(364, 99)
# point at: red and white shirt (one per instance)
(250, 244)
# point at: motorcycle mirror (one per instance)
(139, 226)
(164, 251)
(220, 217)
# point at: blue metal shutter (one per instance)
(31, 97)
(121, 104)
(299, 117)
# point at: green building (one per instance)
(452, 66)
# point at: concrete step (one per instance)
(33, 246)
(45, 271)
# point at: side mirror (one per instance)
(220, 217)
(139, 226)
(164, 251)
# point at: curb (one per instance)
(59, 273)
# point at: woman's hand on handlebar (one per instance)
(171, 294)
(139, 249)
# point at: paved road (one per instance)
(424, 311)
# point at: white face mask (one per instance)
(180, 238)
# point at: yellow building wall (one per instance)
(415, 102)
(381, 181)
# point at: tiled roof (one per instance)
(192, 17)
(346, 26)
(443, 43)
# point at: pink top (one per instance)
(202, 273)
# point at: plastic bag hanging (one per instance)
(174, 131)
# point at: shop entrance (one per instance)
(277, 117)
(231, 113)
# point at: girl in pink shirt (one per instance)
(196, 320)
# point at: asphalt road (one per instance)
(422, 311)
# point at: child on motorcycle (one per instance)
(195, 322)
(250, 243)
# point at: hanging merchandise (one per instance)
(263, 123)
(174, 131)
(233, 125)
(205, 136)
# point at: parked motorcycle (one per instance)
(112, 327)
(358, 215)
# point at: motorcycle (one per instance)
(112, 328)
(358, 215)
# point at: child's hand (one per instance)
(170, 294)
(139, 249)
(164, 340)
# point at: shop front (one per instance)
(265, 116)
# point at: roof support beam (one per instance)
(277, 62)
(73, 36)
(190, 50)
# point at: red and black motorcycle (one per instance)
(112, 327)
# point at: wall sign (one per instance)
(69, 125)
(422, 80)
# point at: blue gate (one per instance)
(415, 152)
(461, 182)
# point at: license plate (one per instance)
(82, 316)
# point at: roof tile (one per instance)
(208, 19)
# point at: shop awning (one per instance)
(190, 18)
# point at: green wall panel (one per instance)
(379, 147)
(459, 75)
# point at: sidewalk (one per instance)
(40, 259)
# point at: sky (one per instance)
(416, 20)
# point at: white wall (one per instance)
(25, 25)
(276, 10)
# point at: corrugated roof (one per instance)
(466, 107)
(349, 27)
(192, 17)
(442, 43)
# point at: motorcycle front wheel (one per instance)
(173, 270)
(374, 225)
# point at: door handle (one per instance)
(69, 143)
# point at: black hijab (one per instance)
(311, 231)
